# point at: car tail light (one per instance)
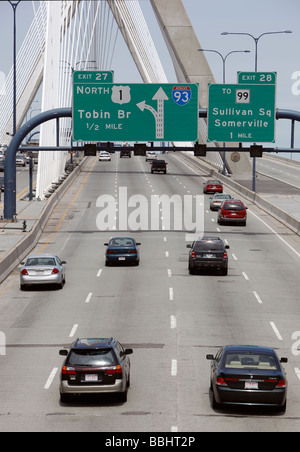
(221, 382)
(109, 252)
(114, 370)
(55, 271)
(132, 252)
(281, 384)
(193, 254)
(225, 255)
(68, 371)
(24, 272)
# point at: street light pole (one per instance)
(256, 39)
(14, 5)
(224, 58)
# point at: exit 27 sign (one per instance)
(135, 112)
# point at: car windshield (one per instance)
(122, 242)
(40, 261)
(250, 361)
(209, 246)
(221, 196)
(233, 206)
(92, 358)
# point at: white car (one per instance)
(104, 156)
(150, 156)
(218, 199)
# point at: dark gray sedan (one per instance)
(248, 375)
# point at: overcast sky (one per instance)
(280, 53)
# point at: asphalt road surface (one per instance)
(170, 319)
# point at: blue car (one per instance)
(122, 250)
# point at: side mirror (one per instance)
(138, 244)
(63, 352)
(63, 262)
(189, 246)
(105, 244)
(227, 247)
(283, 360)
(210, 357)
(128, 351)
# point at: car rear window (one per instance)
(250, 361)
(92, 358)
(233, 206)
(33, 262)
(122, 242)
(208, 246)
(214, 182)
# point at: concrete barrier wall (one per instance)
(14, 257)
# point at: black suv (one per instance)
(95, 366)
(125, 153)
(159, 166)
(207, 253)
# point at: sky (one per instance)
(279, 53)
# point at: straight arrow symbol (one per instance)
(160, 97)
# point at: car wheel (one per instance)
(215, 404)
(192, 270)
(123, 395)
(65, 398)
(282, 409)
(23, 287)
(225, 271)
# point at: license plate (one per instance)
(251, 385)
(91, 377)
(233, 214)
(122, 258)
(209, 256)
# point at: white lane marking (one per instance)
(89, 297)
(169, 273)
(275, 329)
(234, 257)
(257, 297)
(245, 276)
(167, 253)
(51, 378)
(99, 273)
(297, 372)
(173, 322)
(171, 293)
(73, 331)
(277, 235)
(174, 368)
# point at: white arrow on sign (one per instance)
(161, 97)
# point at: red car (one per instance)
(213, 186)
(233, 211)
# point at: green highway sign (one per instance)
(241, 113)
(266, 78)
(88, 77)
(135, 112)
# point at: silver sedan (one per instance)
(41, 270)
(217, 200)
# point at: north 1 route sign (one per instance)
(242, 113)
(135, 112)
